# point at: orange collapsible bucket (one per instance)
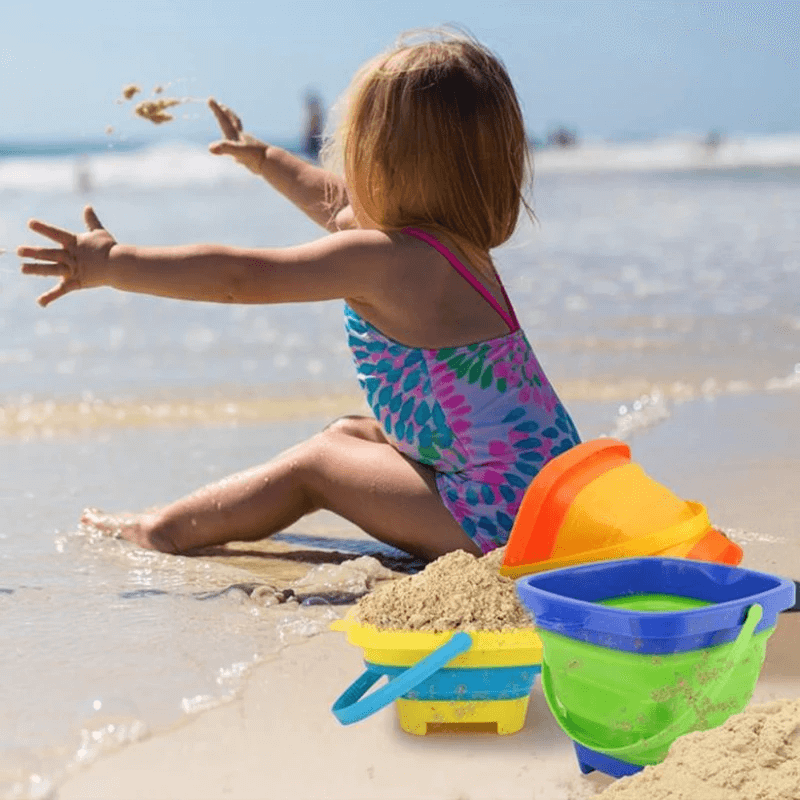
(592, 503)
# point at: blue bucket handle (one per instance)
(674, 729)
(352, 706)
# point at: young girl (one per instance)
(435, 159)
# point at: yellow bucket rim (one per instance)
(511, 646)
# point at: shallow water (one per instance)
(639, 290)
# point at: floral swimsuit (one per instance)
(483, 415)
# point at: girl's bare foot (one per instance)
(136, 528)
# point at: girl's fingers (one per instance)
(91, 219)
(229, 123)
(224, 148)
(51, 232)
(228, 131)
(46, 254)
(65, 287)
(46, 270)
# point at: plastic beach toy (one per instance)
(638, 652)
(591, 504)
(455, 678)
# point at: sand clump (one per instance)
(754, 755)
(130, 90)
(156, 110)
(457, 591)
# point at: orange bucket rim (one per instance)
(552, 491)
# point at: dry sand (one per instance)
(754, 754)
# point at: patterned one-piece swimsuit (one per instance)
(483, 415)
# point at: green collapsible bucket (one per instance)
(638, 652)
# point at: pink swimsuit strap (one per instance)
(509, 319)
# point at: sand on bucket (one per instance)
(456, 592)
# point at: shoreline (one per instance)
(31, 418)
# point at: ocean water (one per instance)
(657, 274)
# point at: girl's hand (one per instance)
(246, 149)
(81, 262)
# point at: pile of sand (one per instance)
(754, 755)
(457, 591)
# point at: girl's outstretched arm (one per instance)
(316, 192)
(348, 264)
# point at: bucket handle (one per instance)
(662, 737)
(352, 706)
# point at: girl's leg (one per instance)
(349, 468)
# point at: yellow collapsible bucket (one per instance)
(454, 678)
(592, 504)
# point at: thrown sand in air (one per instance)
(154, 109)
(130, 90)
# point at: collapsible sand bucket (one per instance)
(591, 503)
(638, 652)
(460, 679)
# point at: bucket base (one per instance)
(416, 715)
(591, 760)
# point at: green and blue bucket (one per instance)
(640, 651)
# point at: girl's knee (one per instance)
(366, 428)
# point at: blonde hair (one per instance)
(431, 134)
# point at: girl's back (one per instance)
(469, 400)
(424, 302)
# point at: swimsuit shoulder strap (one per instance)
(509, 318)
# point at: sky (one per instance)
(607, 68)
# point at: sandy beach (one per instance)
(278, 738)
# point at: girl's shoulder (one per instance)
(378, 254)
(366, 243)
(358, 252)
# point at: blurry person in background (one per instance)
(312, 133)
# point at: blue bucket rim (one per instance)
(567, 602)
